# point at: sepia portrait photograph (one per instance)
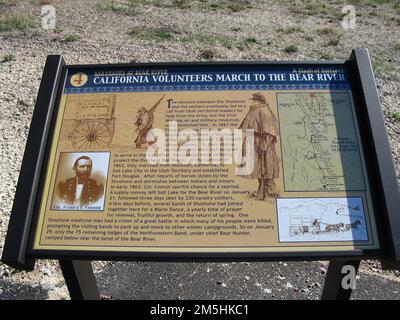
(81, 181)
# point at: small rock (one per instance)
(46, 272)
(266, 290)
(289, 285)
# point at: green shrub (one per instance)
(291, 49)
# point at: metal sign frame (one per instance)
(18, 251)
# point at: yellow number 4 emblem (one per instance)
(79, 79)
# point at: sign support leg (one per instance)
(80, 279)
(333, 288)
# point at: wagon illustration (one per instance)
(92, 125)
(303, 224)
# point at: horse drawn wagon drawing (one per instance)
(303, 224)
(92, 125)
(321, 219)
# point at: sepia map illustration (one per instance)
(321, 219)
(319, 142)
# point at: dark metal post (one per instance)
(380, 157)
(15, 247)
(333, 289)
(80, 279)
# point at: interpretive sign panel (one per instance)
(193, 160)
(155, 160)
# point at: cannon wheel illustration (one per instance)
(91, 134)
(91, 125)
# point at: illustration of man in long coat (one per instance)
(262, 120)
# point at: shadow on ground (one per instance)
(18, 291)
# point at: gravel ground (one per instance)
(147, 31)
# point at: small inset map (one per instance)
(321, 219)
(319, 142)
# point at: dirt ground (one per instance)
(156, 31)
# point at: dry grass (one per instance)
(15, 22)
(8, 3)
(153, 33)
(327, 32)
(117, 7)
(45, 2)
(290, 30)
(207, 54)
(71, 38)
(7, 58)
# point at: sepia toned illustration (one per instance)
(81, 190)
(262, 120)
(144, 123)
(92, 125)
